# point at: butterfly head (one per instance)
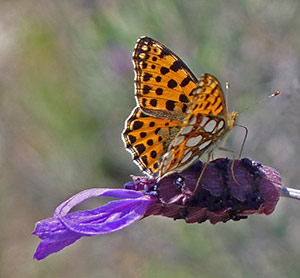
(232, 119)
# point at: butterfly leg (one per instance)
(244, 140)
(202, 172)
(232, 164)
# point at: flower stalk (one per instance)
(290, 193)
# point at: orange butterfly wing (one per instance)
(206, 124)
(178, 118)
(163, 83)
(163, 89)
(148, 139)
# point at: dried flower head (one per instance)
(219, 197)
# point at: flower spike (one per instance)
(217, 199)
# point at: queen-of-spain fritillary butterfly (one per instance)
(178, 118)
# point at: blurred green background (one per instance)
(66, 82)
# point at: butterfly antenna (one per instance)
(262, 100)
(227, 86)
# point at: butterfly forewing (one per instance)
(163, 83)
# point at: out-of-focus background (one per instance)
(66, 88)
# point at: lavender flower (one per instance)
(220, 197)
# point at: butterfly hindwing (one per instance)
(188, 147)
(202, 129)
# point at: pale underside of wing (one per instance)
(205, 125)
(188, 147)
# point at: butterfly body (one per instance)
(178, 118)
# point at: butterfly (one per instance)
(178, 118)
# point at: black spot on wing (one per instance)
(144, 101)
(144, 159)
(176, 66)
(144, 65)
(153, 102)
(172, 84)
(183, 98)
(140, 148)
(185, 81)
(146, 89)
(132, 139)
(147, 76)
(153, 154)
(170, 105)
(143, 134)
(137, 125)
(163, 53)
(164, 70)
(159, 91)
(150, 142)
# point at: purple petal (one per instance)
(54, 237)
(64, 229)
(82, 196)
(109, 218)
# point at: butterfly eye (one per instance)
(179, 182)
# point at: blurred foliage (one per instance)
(66, 89)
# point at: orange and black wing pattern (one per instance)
(163, 83)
